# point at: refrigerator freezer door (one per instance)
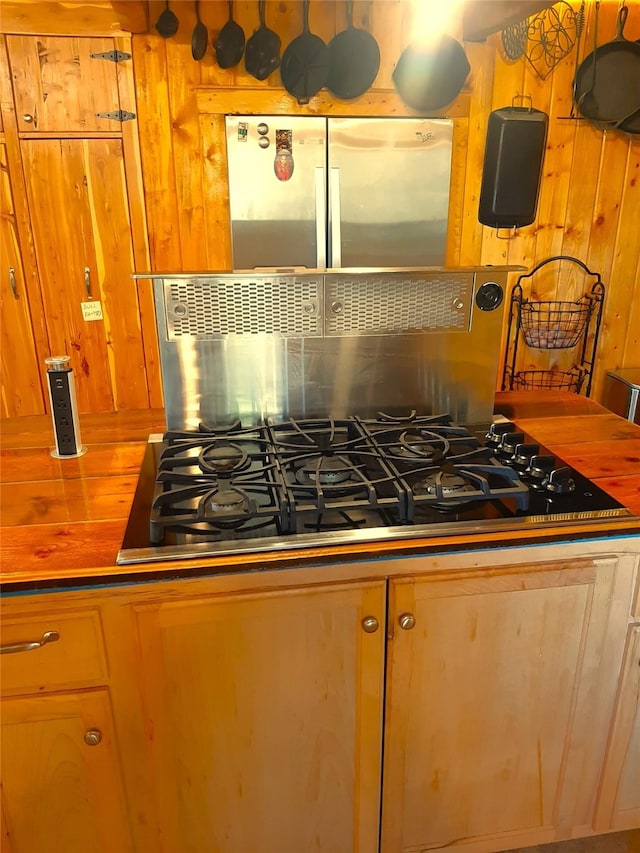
(275, 222)
(389, 183)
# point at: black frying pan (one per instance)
(607, 83)
(167, 23)
(229, 46)
(305, 62)
(632, 123)
(262, 53)
(428, 77)
(199, 37)
(354, 60)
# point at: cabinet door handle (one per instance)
(370, 624)
(407, 621)
(29, 646)
(12, 282)
(87, 282)
(92, 737)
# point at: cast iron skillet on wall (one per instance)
(428, 77)
(305, 62)
(262, 52)
(607, 82)
(229, 46)
(354, 60)
(167, 23)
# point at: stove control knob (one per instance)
(560, 481)
(509, 443)
(522, 455)
(496, 431)
(540, 467)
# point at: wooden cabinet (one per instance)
(248, 717)
(62, 784)
(61, 84)
(85, 218)
(77, 194)
(264, 718)
(500, 690)
(619, 800)
(21, 385)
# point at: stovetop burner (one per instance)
(304, 482)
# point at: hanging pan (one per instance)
(631, 124)
(354, 60)
(428, 77)
(305, 62)
(607, 83)
(229, 45)
(262, 53)
(167, 24)
(199, 37)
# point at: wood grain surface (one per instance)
(64, 519)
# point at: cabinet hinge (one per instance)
(118, 115)
(112, 56)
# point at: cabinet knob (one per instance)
(93, 737)
(27, 117)
(407, 621)
(370, 624)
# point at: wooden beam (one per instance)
(79, 18)
(275, 101)
(482, 17)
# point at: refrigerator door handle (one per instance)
(321, 218)
(334, 208)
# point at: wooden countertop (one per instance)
(63, 520)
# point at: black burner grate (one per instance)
(322, 474)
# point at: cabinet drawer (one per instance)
(51, 651)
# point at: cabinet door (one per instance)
(58, 87)
(264, 716)
(499, 702)
(79, 210)
(59, 793)
(619, 800)
(22, 392)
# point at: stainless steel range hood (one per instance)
(259, 344)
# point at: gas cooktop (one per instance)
(311, 482)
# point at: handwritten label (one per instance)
(92, 310)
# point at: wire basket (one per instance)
(568, 380)
(554, 325)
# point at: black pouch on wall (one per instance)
(512, 169)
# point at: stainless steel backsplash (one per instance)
(315, 344)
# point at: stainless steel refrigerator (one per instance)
(317, 192)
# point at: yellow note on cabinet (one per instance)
(92, 310)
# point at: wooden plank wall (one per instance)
(590, 198)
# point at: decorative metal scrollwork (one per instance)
(545, 38)
(551, 35)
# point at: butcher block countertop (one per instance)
(62, 521)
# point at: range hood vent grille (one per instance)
(374, 306)
(246, 305)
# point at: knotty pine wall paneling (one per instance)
(589, 203)
(589, 206)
